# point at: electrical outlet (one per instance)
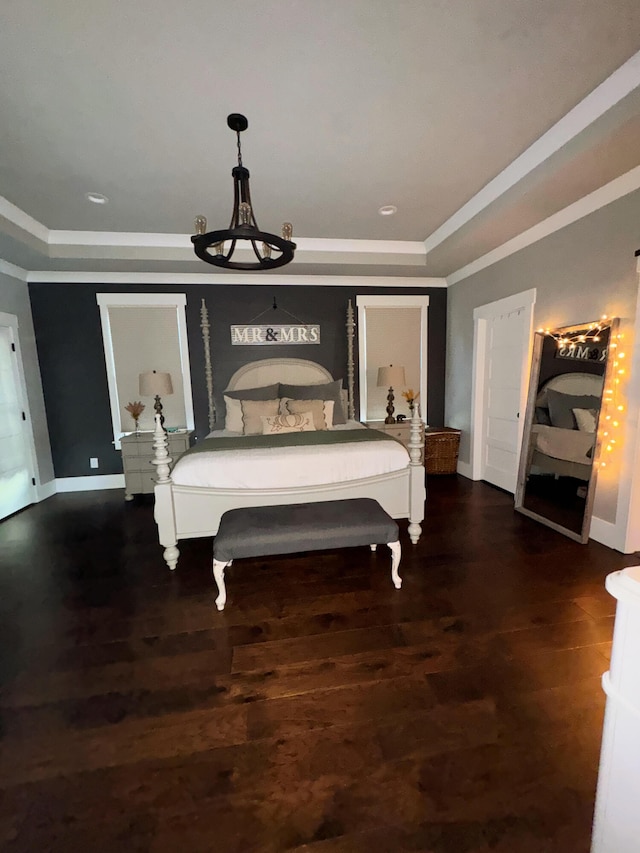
(93, 461)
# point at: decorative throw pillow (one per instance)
(586, 419)
(233, 420)
(266, 392)
(321, 410)
(253, 411)
(561, 407)
(326, 391)
(280, 424)
(542, 416)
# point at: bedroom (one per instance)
(581, 264)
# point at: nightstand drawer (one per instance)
(137, 463)
(401, 432)
(140, 482)
(137, 459)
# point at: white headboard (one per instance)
(293, 371)
(589, 384)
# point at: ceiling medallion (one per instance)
(211, 246)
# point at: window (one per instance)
(391, 330)
(144, 332)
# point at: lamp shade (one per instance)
(391, 376)
(153, 383)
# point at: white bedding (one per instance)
(571, 445)
(284, 467)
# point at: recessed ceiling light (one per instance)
(387, 210)
(96, 198)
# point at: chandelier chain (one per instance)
(239, 149)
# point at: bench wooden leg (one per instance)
(218, 573)
(396, 552)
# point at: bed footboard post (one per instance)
(163, 510)
(417, 491)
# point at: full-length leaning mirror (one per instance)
(568, 389)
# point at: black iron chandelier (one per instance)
(217, 247)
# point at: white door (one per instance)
(504, 331)
(16, 466)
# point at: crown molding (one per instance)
(181, 279)
(605, 96)
(619, 187)
(13, 271)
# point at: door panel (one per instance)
(507, 337)
(16, 487)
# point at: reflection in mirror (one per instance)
(571, 368)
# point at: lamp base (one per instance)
(158, 407)
(390, 408)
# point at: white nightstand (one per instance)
(137, 459)
(401, 431)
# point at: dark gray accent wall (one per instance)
(69, 339)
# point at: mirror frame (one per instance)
(539, 338)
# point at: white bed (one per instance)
(185, 510)
(565, 452)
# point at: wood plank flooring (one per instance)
(323, 710)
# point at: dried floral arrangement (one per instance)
(135, 409)
(411, 396)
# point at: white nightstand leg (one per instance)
(218, 573)
(373, 547)
(396, 553)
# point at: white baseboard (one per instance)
(607, 534)
(90, 484)
(46, 490)
(465, 469)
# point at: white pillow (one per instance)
(321, 410)
(233, 420)
(586, 419)
(280, 424)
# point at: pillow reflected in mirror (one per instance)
(586, 419)
(561, 407)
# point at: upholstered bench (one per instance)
(266, 530)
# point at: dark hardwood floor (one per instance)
(324, 710)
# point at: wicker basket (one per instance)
(441, 450)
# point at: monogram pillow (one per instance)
(280, 424)
(321, 411)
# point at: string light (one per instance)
(609, 399)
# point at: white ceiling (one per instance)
(351, 105)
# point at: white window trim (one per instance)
(144, 300)
(391, 301)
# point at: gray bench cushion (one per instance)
(264, 530)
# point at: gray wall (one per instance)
(14, 299)
(580, 273)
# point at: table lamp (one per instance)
(153, 383)
(388, 377)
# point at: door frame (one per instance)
(481, 317)
(11, 321)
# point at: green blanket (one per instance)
(291, 439)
